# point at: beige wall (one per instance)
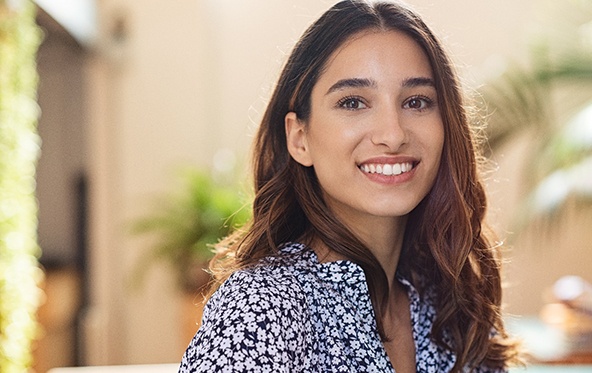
(191, 78)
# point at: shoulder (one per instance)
(266, 288)
(257, 318)
(275, 284)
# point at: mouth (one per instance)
(387, 169)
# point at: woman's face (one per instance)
(375, 134)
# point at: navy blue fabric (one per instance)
(292, 313)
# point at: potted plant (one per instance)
(188, 222)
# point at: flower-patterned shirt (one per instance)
(295, 314)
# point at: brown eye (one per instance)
(418, 103)
(351, 103)
(415, 103)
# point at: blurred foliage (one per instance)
(188, 222)
(19, 148)
(544, 100)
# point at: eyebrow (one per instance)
(369, 83)
(418, 82)
(352, 83)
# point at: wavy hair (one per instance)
(445, 245)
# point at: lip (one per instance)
(390, 160)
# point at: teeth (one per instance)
(387, 169)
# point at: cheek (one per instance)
(433, 145)
(429, 135)
(436, 137)
(439, 144)
(333, 136)
(438, 150)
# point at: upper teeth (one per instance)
(387, 169)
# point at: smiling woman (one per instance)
(388, 120)
(366, 251)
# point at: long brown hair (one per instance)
(444, 245)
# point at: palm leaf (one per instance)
(186, 224)
(535, 101)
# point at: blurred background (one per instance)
(132, 91)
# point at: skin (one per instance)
(374, 105)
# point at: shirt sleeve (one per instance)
(253, 323)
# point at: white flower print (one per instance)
(292, 313)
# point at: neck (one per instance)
(383, 237)
(385, 240)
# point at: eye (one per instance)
(419, 103)
(351, 103)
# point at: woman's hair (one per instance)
(445, 246)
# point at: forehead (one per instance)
(390, 55)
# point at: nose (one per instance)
(387, 129)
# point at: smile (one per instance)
(387, 169)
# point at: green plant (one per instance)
(549, 102)
(188, 222)
(19, 148)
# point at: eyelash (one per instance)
(341, 103)
(428, 102)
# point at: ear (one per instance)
(296, 139)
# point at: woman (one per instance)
(366, 251)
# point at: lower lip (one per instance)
(391, 179)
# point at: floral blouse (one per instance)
(295, 314)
